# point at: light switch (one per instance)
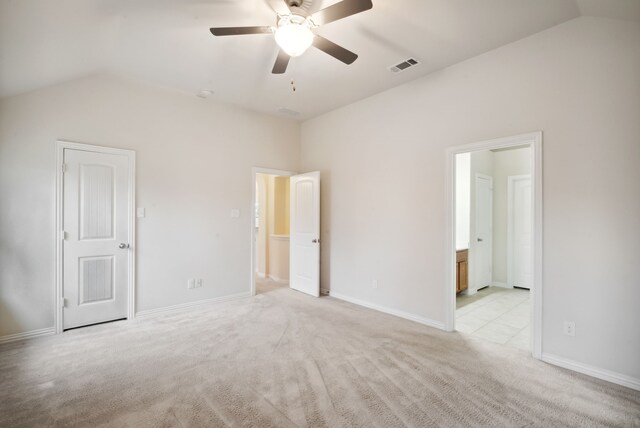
(235, 213)
(140, 213)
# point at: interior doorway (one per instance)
(271, 232)
(285, 231)
(494, 291)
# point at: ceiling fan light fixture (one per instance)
(294, 34)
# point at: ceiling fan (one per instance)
(293, 31)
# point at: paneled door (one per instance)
(304, 260)
(483, 247)
(96, 230)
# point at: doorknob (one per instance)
(479, 239)
(122, 246)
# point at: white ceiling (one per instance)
(167, 42)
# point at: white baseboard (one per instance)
(27, 335)
(500, 284)
(390, 311)
(151, 312)
(261, 275)
(596, 372)
(279, 280)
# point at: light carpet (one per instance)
(283, 359)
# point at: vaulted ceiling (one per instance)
(167, 42)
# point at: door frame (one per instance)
(511, 224)
(534, 140)
(472, 263)
(254, 171)
(59, 237)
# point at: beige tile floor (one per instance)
(502, 316)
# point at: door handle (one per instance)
(316, 241)
(479, 239)
(122, 246)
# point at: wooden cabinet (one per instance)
(462, 275)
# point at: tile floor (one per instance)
(501, 316)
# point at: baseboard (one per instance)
(390, 311)
(596, 372)
(500, 284)
(151, 312)
(261, 275)
(279, 280)
(27, 335)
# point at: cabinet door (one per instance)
(463, 281)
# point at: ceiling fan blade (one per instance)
(278, 6)
(340, 10)
(281, 63)
(336, 51)
(236, 31)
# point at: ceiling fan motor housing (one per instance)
(293, 31)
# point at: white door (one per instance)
(304, 267)
(95, 249)
(521, 239)
(483, 247)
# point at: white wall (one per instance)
(383, 168)
(463, 200)
(194, 160)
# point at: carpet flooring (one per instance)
(283, 359)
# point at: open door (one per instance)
(520, 255)
(304, 259)
(483, 248)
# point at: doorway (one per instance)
(494, 238)
(95, 235)
(271, 232)
(285, 231)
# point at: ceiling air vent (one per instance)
(403, 65)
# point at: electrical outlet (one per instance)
(569, 328)
(198, 282)
(374, 284)
(191, 283)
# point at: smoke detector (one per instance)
(204, 93)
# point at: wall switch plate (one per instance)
(569, 328)
(198, 282)
(235, 213)
(191, 283)
(140, 213)
(374, 284)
